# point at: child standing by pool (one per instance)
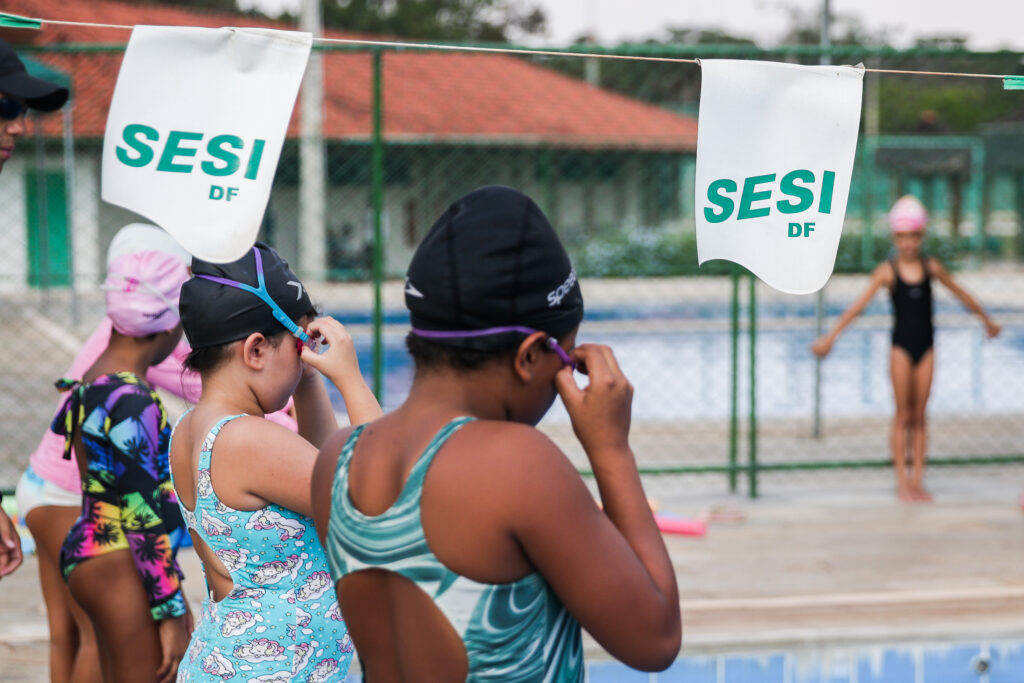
(244, 481)
(117, 559)
(908, 278)
(464, 544)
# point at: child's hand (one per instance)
(600, 412)
(991, 329)
(822, 346)
(339, 360)
(174, 637)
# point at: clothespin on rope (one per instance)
(16, 21)
(1013, 82)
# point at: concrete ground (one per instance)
(821, 565)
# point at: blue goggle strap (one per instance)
(278, 313)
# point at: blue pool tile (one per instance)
(691, 670)
(894, 667)
(1006, 663)
(836, 669)
(614, 672)
(755, 669)
(951, 664)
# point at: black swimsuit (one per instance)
(912, 329)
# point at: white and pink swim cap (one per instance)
(145, 237)
(908, 215)
(142, 292)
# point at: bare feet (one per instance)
(921, 495)
(905, 492)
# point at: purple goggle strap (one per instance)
(263, 294)
(446, 334)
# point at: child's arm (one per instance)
(882, 276)
(340, 365)
(943, 276)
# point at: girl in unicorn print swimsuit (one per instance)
(244, 482)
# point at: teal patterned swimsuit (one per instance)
(516, 631)
(281, 621)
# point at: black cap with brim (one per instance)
(213, 313)
(492, 260)
(16, 82)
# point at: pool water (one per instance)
(686, 374)
(972, 662)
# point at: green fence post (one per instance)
(734, 325)
(377, 164)
(867, 239)
(976, 189)
(752, 468)
(1018, 199)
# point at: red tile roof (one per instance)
(428, 96)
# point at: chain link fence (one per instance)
(727, 391)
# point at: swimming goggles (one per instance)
(551, 342)
(261, 291)
(12, 109)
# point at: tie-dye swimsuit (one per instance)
(281, 620)
(128, 502)
(517, 631)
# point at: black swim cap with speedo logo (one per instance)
(492, 259)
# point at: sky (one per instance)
(987, 24)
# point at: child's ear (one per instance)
(254, 351)
(529, 352)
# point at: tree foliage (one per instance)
(445, 20)
(208, 5)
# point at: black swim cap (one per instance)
(491, 260)
(213, 313)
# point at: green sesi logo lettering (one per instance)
(222, 156)
(796, 187)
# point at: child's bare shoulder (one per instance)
(514, 447)
(884, 273)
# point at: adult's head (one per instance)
(489, 276)
(142, 290)
(20, 92)
(225, 318)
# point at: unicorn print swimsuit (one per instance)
(281, 621)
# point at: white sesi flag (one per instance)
(195, 130)
(775, 151)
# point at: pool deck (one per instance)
(826, 564)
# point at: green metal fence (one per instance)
(725, 383)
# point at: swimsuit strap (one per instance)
(180, 418)
(205, 454)
(419, 469)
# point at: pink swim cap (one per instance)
(907, 215)
(142, 292)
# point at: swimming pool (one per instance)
(684, 373)
(970, 662)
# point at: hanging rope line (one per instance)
(1010, 82)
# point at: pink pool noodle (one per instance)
(678, 525)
